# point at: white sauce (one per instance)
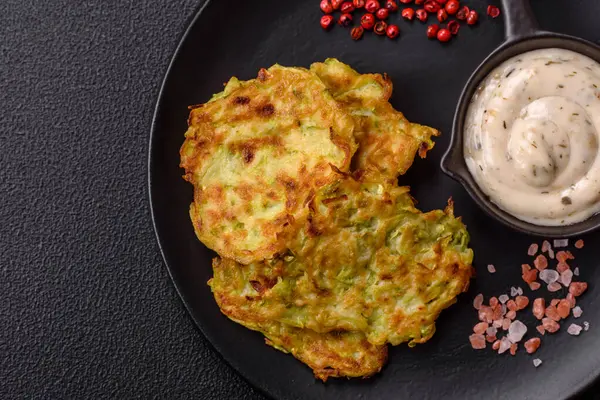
(532, 133)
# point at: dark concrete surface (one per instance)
(88, 310)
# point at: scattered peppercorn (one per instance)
(382, 14)
(367, 21)
(452, 7)
(372, 6)
(392, 31)
(336, 4)
(408, 13)
(432, 31)
(347, 7)
(345, 19)
(357, 32)
(326, 6)
(421, 15)
(391, 5)
(462, 13)
(453, 27)
(442, 15)
(380, 28)
(431, 6)
(472, 18)
(444, 35)
(380, 10)
(327, 21)
(493, 11)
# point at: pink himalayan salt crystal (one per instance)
(533, 248)
(478, 301)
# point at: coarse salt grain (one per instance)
(497, 323)
(491, 331)
(477, 341)
(540, 262)
(554, 287)
(519, 291)
(566, 277)
(534, 286)
(576, 271)
(561, 242)
(549, 276)
(478, 301)
(513, 291)
(533, 248)
(540, 329)
(504, 345)
(577, 312)
(537, 362)
(532, 345)
(491, 268)
(545, 246)
(551, 254)
(579, 244)
(586, 325)
(516, 331)
(503, 298)
(574, 329)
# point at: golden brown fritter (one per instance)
(330, 261)
(256, 152)
(388, 142)
(366, 261)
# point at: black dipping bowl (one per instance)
(522, 35)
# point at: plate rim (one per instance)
(578, 389)
(197, 13)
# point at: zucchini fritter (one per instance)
(294, 178)
(366, 262)
(256, 152)
(388, 142)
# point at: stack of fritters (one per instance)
(294, 178)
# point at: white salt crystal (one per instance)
(537, 362)
(504, 345)
(551, 254)
(577, 312)
(503, 298)
(519, 291)
(576, 271)
(566, 277)
(516, 331)
(586, 325)
(491, 331)
(574, 329)
(497, 323)
(561, 242)
(513, 291)
(504, 309)
(491, 269)
(549, 276)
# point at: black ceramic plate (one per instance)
(237, 37)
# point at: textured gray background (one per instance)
(88, 310)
